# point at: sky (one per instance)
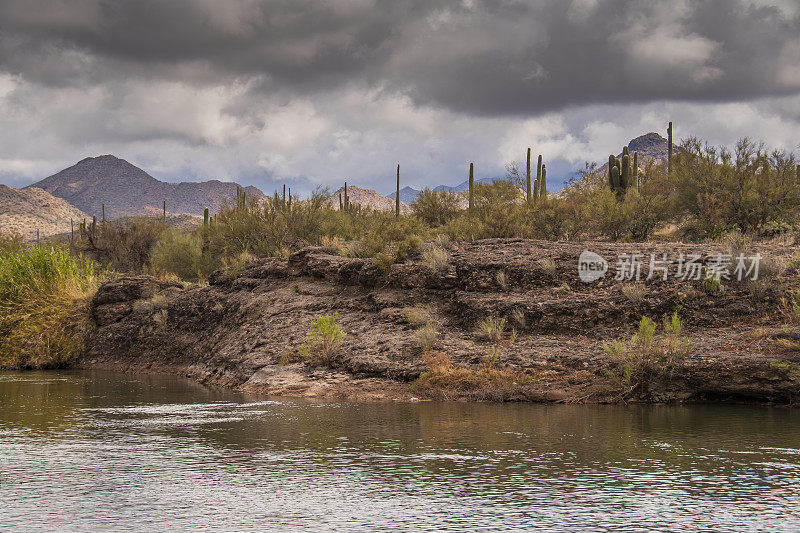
(312, 93)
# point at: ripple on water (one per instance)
(114, 453)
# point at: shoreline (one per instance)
(243, 329)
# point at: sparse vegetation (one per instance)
(634, 292)
(323, 346)
(491, 328)
(648, 355)
(435, 257)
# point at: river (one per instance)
(102, 451)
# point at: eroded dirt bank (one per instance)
(243, 330)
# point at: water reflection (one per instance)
(109, 451)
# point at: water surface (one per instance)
(116, 452)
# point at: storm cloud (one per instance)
(317, 91)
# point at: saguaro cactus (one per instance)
(543, 184)
(103, 210)
(635, 170)
(205, 218)
(625, 179)
(164, 212)
(341, 205)
(669, 148)
(538, 186)
(471, 183)
(346, 199)
(528, 176)
(397, 194)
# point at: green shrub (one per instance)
(324, 341)
(44, 306)
(649, 355)
(491, 328)
(180, 253)
(436, 208)
(124, 244)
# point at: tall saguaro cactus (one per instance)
(669, 148)
(205, 218)
(397, 194)
(635, 170)
(625, 180)
(346, 199)
(471, 183)
(543, 184)
(528, 176)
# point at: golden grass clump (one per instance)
(44, 306)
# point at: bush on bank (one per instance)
(44, 306)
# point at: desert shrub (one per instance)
(269, 226)
(649, 355)
(44, 306)
(790, 307)
(401, 237)
(748, 188)
(547, 266)
(427, 336)
(445, 381)
(552, 219)
(181, 253)
(324, 341)
(491, 328)
(11, 242)
(124, 244)
(418, 315)
(434, 257)
(465, 227)
(518, 317)
(634, 292)
(436, 208)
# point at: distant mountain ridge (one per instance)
(127, 190)
(366, 198)
(24, 211)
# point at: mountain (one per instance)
(649, 145)
(464, 185)
(24, 211)
(367, 198)
(407, 195)
(127, 190)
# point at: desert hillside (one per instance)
(127, 190)
(366, 198)
(24, 211)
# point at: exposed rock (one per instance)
(244, 330)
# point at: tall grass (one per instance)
(44, 311)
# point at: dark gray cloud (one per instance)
(310, 92)
(477, 57)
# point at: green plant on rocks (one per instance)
(323, 346)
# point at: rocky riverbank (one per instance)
(243, 329)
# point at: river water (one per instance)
(122, 452)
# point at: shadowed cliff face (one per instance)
(237, 330)
(127, 190)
